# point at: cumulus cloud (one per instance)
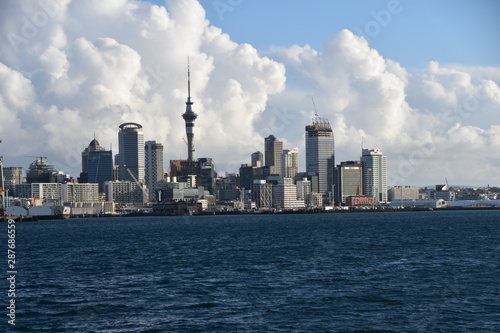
(74, 68)
(433, 123)
(69, 69)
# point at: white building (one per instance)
(88, 192)
(290, 163)
(374, 165)
(403, 193)
(303, 190)
(39, 191)
(285, 195)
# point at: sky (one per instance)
(417, 79)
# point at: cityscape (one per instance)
(135, 180)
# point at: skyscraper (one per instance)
(290, 162)
(348, 181)
(273, 152)
(100, 167)
(374, 174)
(131, 155)
(153, 166)
(189, 117)
(93, 146)
(320, 154)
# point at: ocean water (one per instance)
(361, 272)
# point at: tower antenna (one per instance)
(189, 81)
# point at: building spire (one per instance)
(189, 117)
(189, 82)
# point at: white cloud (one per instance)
(69, 69)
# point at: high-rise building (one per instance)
(131, 155)
(189, 117)
(320, 154)
(12, 176)
(290, 163)
(93, 146)
(257, 159)
(349, 181)
(153, 167)
(100, 167)
(273, 152)
(374, 165)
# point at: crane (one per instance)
(137, 182)
(40, 158)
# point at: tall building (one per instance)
(290, 163)
(273, 152)
(153, 167)
(12, 176)
(374, 165)
(131, 154)
(100, 167)
(257, 159)
(189, 117)
(320, 154)
(349, 181)
(93, 146)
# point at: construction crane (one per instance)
(38, 157)
(137, 182)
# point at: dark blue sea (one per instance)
(353, 272)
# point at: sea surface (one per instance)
(355, 272)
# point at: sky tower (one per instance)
(189, 117)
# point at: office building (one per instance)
(285, 195)
(125, 192)
(153, 167)
(99, 167)
(88, 192)
(403, 193)
(262, 194)
(304, 190)
(257, 159)
(93, 146)
(131, 154)
(290, 163)
(273, 152)
(320, 155)
(349, 181)
(374, 165)
(12, 176)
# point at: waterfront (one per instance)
(392, 272)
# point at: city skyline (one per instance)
(65, 83)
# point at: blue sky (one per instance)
(447, 31)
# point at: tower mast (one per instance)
(189, 117)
